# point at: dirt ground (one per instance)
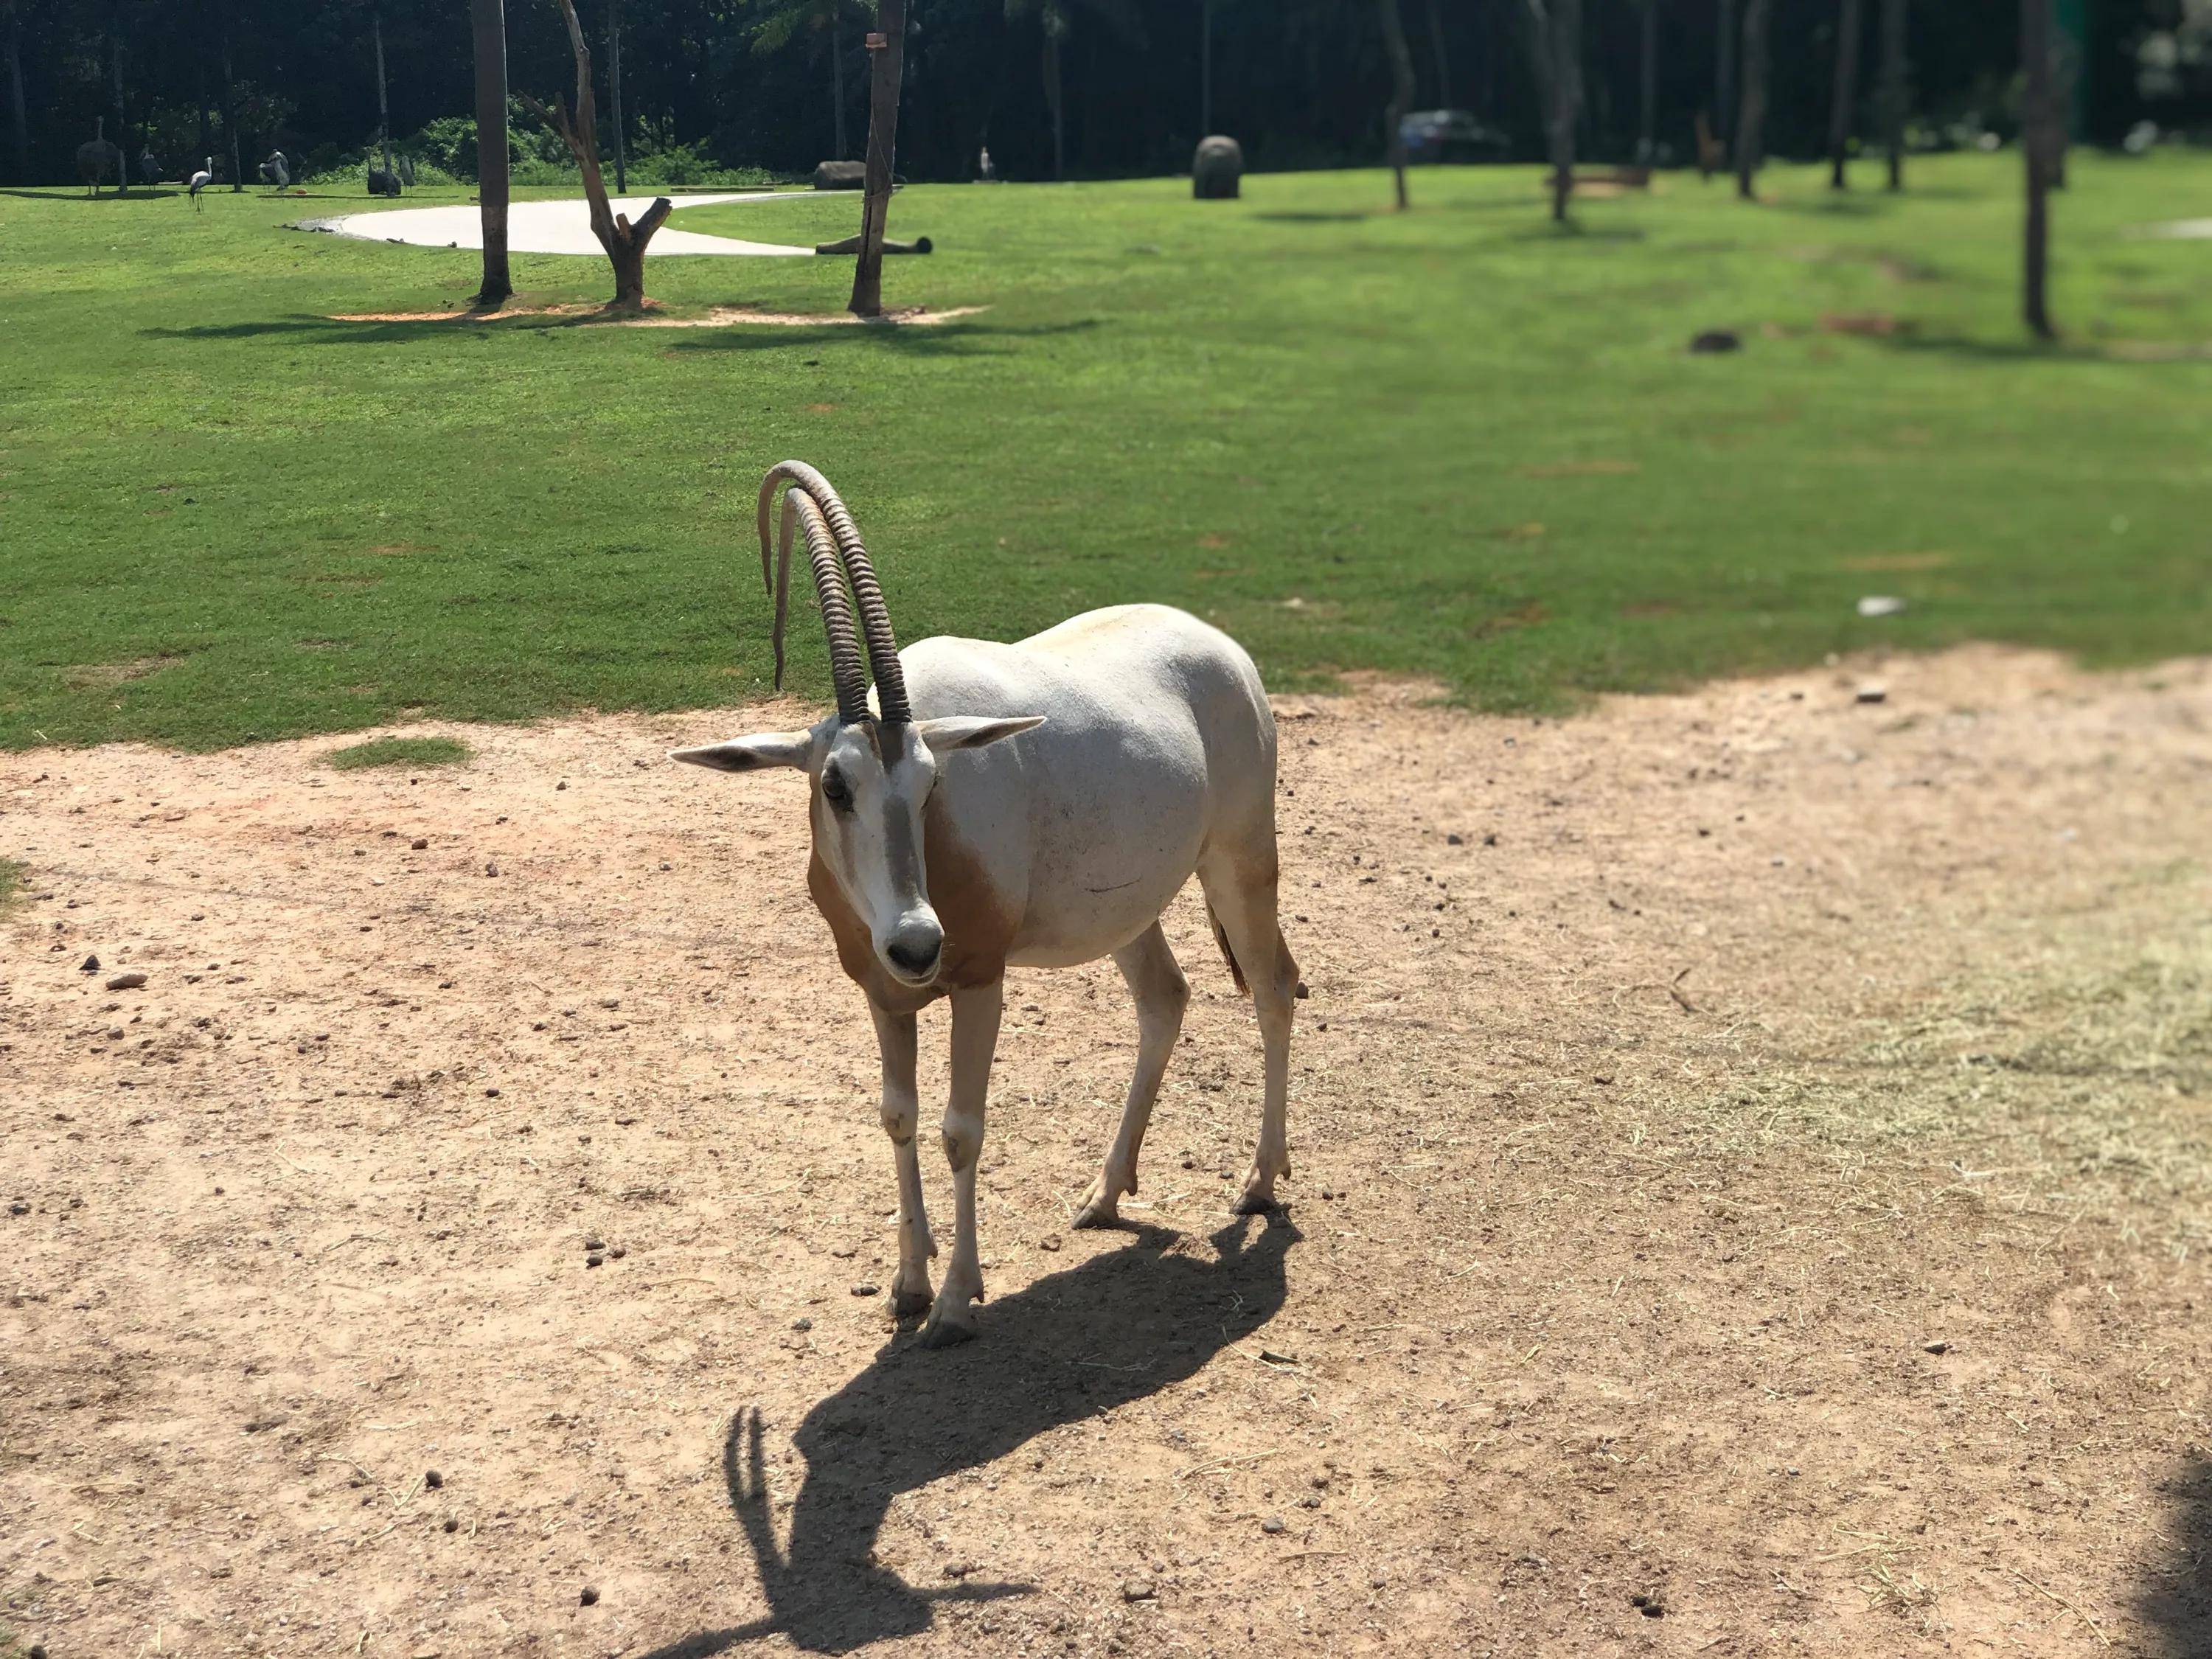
(1750, 1199)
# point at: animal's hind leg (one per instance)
(1161, 994)
(1241, 892)
(896, 1038)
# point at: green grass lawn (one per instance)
(1452, 442)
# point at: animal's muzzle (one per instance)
(914, 948)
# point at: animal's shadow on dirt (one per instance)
(2176, 1602)
(1072, 1346)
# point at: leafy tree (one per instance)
(786, 21)
(1056, 20)
(487, 22)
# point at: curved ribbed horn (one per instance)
(845, 669)
(868, 594)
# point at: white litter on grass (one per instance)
(2176, 230)
(561, 226)
(1880, 604)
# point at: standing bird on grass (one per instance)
(276, 171)
(97, 158)
(199, 181)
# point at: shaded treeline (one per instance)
(1301, 82)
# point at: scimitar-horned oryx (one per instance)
(1038, 806)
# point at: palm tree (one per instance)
(1401, 93)
(1057, 18)
(1751, 122)
(786, 20)
(1554, 35)
(2035, 133)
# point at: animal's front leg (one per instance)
(894, 1040)
(975, 1040)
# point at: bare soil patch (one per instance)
(1750, 1200)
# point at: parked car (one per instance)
(1450, 135)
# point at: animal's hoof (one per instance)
(1096, 1213)
(943, 1332)
(910, 1304)
(1258, 1204)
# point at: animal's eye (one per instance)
(836, 791)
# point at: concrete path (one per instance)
(561, 227)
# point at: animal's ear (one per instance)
(971, 731)
(753, 754)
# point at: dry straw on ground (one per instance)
(1750, 1199)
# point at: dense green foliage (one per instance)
(1302, 82)
(1449, 442)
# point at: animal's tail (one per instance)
(1235, 970)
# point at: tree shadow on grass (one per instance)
(138, 193)
(1071, 1346)
(920, 339)
(2076, 354)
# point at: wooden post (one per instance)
(2035, 150)
(1846, 93)
(887, 53)
(487, 23)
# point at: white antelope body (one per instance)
(1033, 804)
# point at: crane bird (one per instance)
(96, 159)
(200, 181)
(275, 171)
(1033, 804)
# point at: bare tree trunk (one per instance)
(623, 243)
(1444, 54)
(614, 94)
(886, 71)
(837, 77)
(18, 112)
(1648, 86)
(115, 65)
(1052, 95)
(1751, 125)
(2035, 148)
(1401, 93)
(230, 113)
(487, 23)
(1204, 68)
(1846, 93)
(1724, 72)
(383, 109)
(1563, 48)
(1892, 89)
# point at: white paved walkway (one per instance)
(562, 227)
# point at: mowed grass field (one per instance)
(1452, 443)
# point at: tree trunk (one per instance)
(1846, 95)
(2035, 149)
(1204, 68)
(613, 100)
(1751, 124)
(1401, 93)
(1892, 89)
(115, 65)
(1444, 54)
(623, 243)
(230, 114)
(1563, 45)
(1648, 86)
(18, 112)
(1724, 72)
(487, 23)
(383, 110)
(837, 77)
(1052, 96)
(885, 72)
